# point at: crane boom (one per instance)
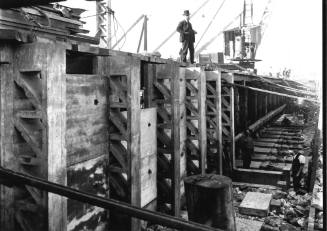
(264, 21)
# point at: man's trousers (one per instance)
(187, 45)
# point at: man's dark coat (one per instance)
(184, 27)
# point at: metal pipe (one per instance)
(10, 178)
(261, 121)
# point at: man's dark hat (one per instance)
(186, 12)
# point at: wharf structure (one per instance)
(72, 114)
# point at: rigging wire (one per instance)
(115, 19)
(213, 18)
(217, 35)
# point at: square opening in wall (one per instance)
(79, 63)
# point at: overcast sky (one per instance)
(293, 38)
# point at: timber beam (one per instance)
(6, 4)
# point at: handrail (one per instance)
(10, 178)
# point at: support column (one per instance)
(246, 109)
(259, 104)
(275, 101)
(214, 121)
(169, 98)
(37, 88)
(265, 104)
(237, 109)
(133, 129)
(124, 130)
(270, 100)
(202, 122)
(255, 107)
(228, 123)
(56, 134)
(196, 144)
(7, 157)
(176, 155)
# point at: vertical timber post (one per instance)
(133, 129)
(175, 158)
(255, 108)
(169, 98)
(214, 121)
(265, 104)
(246, 109)
(196, 120)
(236, 109)
(202, 121)
(227, 98)
(7, 157)
(56, 134)
(124, 135)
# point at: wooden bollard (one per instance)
(209, 200)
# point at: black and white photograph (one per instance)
(175, 115)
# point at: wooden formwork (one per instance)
(227, 117)
(196, 142)
(213, 121)
(132, 136)
(61, 121)
(166, 91)
(33, 125)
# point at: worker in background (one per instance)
(247, 148)
(187, 37)
(297, 169)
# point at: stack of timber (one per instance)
(52, 20)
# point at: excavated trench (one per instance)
(272, 157)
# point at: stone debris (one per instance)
(288, 211)
(248, 225)
(157, 228)
(275, 205)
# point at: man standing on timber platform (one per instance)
(187, 37)
(297, 170)
(247, 147)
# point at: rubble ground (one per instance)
(288, 209)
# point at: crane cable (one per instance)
(213, 18)
(216, 36)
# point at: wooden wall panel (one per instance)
(86, 118)
(148, 152)
(87, 146)
(7, 159)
